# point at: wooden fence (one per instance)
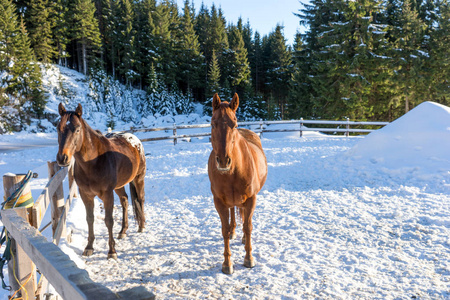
(260, 127)
(33, 251)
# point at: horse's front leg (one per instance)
(124, 201)
(250, 205)
(88, 201)
(233, 224)
(108, 202)
(224, 213)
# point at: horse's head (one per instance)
(224, 131)
(70, 134)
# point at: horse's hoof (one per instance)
(112, 255)
(141, 229)
(122, 235)
(227, 269)
(233, 236)
(249, 263)
(88, 252)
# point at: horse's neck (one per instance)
(91, 145)
(242, 154)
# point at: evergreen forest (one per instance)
(362, 59)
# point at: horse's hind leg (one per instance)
(124, 202)
(137, 190)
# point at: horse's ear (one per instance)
(216, 102)
(234, 104)
(61, 109)
(79, 110)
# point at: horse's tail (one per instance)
(137, 209)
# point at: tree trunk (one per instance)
(84, 58)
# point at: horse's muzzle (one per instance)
(223, 165)
(63, 160)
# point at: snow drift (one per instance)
(419, 142)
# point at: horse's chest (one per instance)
(235, 194)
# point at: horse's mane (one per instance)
(251, 137)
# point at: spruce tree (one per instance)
(126, 42)
(21, 77)
(213, 84)
(86, 33)
(40, 29)
(60, 30)
(189, 57)
(279, 67)
(409, 57)
(235, 66)
(439, 65)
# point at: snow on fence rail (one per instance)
(261, 127)
(32, 250)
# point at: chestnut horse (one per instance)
(237, 169)
(102, 165)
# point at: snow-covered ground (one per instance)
(338, 218)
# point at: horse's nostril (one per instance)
(217, 159)
(228, 161)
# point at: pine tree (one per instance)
(20, 79)
(189, 56)
(236, 68)
(40, 29)
(217, 37)
(213, 76)
(86, 33)
(409, 57)
(279, 70)
(439, 76)
(213, 84)
(126, 42)
(60, 31)
(300, 92)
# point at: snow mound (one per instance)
(418, 141)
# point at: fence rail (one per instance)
(54, 265)
(263, 127)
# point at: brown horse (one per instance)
(102, 165)
(237, 169)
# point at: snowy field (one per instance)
(338, 218)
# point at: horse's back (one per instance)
(251, 137)
(260, 158)
(128, 148)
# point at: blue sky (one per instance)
(263, 15)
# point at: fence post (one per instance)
(57, 202)
(348, 127)
(175, 133)
(301, 127)
(71, 176)
(23, 268)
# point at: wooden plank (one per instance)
(67, 279)
(57, 199)
(62, 220)
(40, 207)
(55, 182)
(43, 201)
(25, 270)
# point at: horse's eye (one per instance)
(77, 130)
